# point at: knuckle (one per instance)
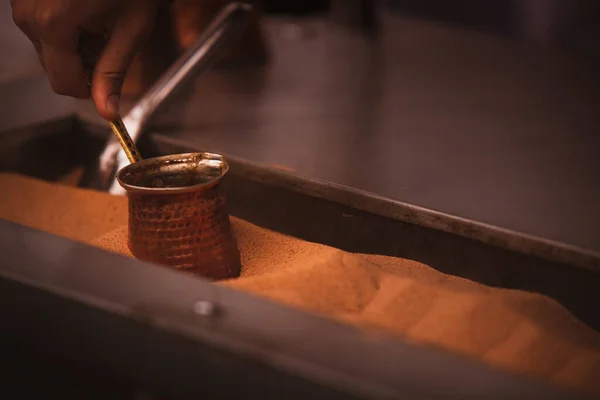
(115, 78)
(46, 19)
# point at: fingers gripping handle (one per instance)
(89, 47)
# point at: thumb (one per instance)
(112, 66)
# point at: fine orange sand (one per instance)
(518, 331)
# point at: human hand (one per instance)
(55, 28)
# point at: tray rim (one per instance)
(507, 239)
(387, 207)
(378, 366)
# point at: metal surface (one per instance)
(227, 26)
(178, 215)
(140, 322)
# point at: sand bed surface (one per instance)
(520, 331)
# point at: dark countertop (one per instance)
(450, 120)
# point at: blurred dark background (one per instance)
(567, 24)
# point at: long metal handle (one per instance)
(226, 27)
(229, 24)
(127, 144)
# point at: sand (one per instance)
(519, 331)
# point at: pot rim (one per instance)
(223, 168)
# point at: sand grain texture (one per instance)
(519, 331)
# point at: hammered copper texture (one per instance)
(190, 231)
(178, 215)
